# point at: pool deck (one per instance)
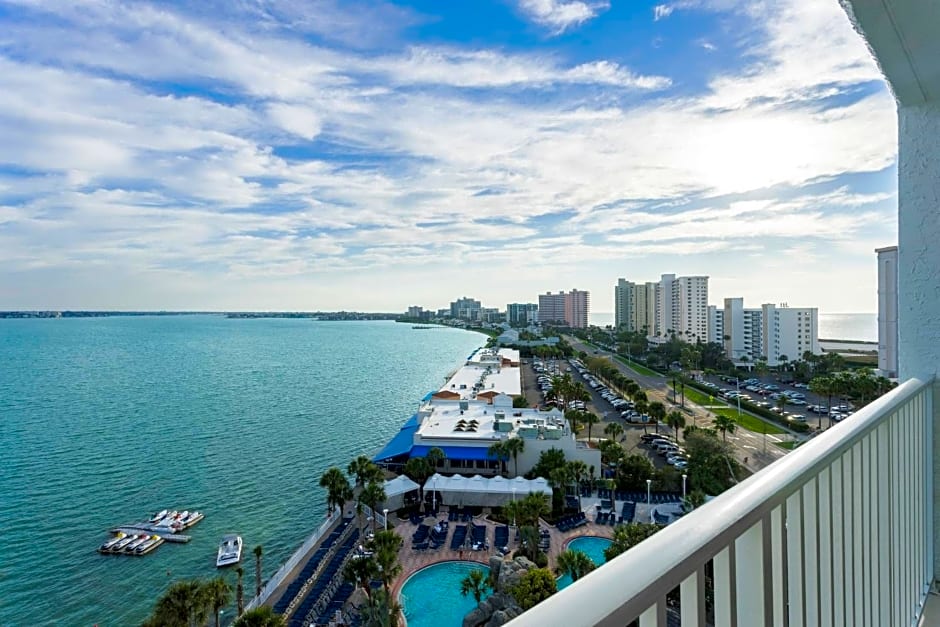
(413, 561)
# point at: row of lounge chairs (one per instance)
(325, 586)
(570, 522)
(310, 567)
(655, 497)
(545, 540)
(460, 537)
(460, 514)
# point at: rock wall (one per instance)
(500, 607)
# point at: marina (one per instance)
(143, 537)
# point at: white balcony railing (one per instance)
(838, 532)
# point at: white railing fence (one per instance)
(838, 532)
(271, 585)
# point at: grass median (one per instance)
(638, 368)
(747, 421)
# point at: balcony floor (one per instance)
(931, 617)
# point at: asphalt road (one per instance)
(757, 449)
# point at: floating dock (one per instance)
(135, 529)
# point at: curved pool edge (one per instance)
(406, 576)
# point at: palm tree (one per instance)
(184, 604)
(380, 610)
(386, 545)
(657, 412)
(418, 469)
(613, 431)
(476, 583)
(261, 616)
(782, 401)
(239, 591)
(217, 594)
(515, 446)
(499, 451)
(361, 571)
(725, 424)
(337, 488)
(372, 495)
(577, 469)
(575, 563)
(590, 420)
(435, 456)
(364, 470)
(676, 420)
(641, 408)
(258, 552)
(824, 386)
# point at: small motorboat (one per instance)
(136, 543)
(159, 516)
(148, 545)
(117, 548)
(107, 546)
(230, 551)
(192, 519)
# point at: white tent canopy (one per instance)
(482, 491)
(396, 489)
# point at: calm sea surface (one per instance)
(105, 420)
(860, 327)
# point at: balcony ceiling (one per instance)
(903, 34)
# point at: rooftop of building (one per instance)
(487, 370)
(477, 420)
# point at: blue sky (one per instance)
(345, 154)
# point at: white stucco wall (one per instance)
(919, 240)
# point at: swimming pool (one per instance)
(431, 597)
(593, 547)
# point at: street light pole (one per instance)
(385, 512)
(649, 482)
(683, 486)
(737, 386)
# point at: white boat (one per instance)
(148, 545)
(192, 519)
(136, 543)
(159, 516)
(123, 543)
(230, 551)
(107, 546)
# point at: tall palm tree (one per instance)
(372, 495)
(364, 469)
(641, 407)
(337, 487)
(261, 616)
(258, 550)
(590, 420)
(361, 571)
(676, 420)
(824, 386)
(217, 594)
(239, 591)
(575, 563)
(515, 446)
(476, 583)
(657, 412)
(725, 424)
(534, 505)
(578, 470)
(613, 431)
(386, 545)
(499, 451)
(418, 469)
(380, 610)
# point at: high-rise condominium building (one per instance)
(571, 309)
(552, 307)
(522, 313)
(888, 311)
(770, 333)
(466, 308)
(672, 306)
(635, 306)
(577, 308)
(716, 325)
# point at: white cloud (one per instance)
(560, 15)
(661, 11)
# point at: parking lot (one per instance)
(799, 405)
(602, 407)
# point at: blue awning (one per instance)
(400, 444)
(428, 396)
(455, 452)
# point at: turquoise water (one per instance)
(431, 597)
(593, 547)
(105, 420)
